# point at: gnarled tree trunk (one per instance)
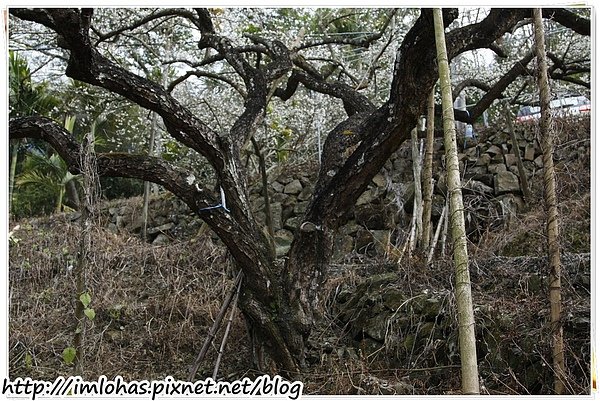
(281, 301)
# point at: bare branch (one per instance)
(362, 41)
(467, 83)
(568, 19)
(354, 102)
(207, 74)
(169, 12)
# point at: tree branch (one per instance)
(142, 167)
(169, 12)
(354, 102)
(364, 41)
(568, 19)
(207, 74)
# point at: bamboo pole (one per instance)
(558, 354)
(466, 320)
(428, 174)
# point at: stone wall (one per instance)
(383, 212)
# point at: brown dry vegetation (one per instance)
(154, 304)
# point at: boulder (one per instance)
(483, 160)
(477, 187)
(529, 152)
(276, 212)
(161, 229)
(277, 186)
(161, 239)
(293, 188)
(343, 245)
(505, 182)
(496, 168)
(283, 242)
(380, 181)
(510, 159)
(368, 196)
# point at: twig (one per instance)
(215, 327)
(226, 334)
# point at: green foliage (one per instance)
(26, 98)
(90, 313)
(28, 361)
(85, 299)
(68, 355)
(117, 187)
(46, 178)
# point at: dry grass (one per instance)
(153, 304)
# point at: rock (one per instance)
(161, 229)
(368, 196)
(277, 186)
(496, 168)
(471, 152)
(393, 298)
(380, 181)
(505, 182)
(375, 217)
(300, 208)
(477, 187)
(510, 159)
(539, 162)
(529, 152)
(305, 194)
(161, 239)
(136, 226)
(258, 204)
(292, 223)
(120, 221)
(343, 245)
(403, 388)
(510, 204)
(477, 170)
(499, 158)
(381, 241)
(293, 188)
(284, 179)
(483, 160)
(376, 327)
(349, 228)
(364, 241)
(276, 211)
(279, 197)
(494, 150)
(283, 242)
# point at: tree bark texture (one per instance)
(466, 320)
(547, 144)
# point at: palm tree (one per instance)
(25, 99)
(46, 175)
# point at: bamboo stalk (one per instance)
(466, 320)
(215, 327)
(428, 174)
(552, 227)
(226, 334)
